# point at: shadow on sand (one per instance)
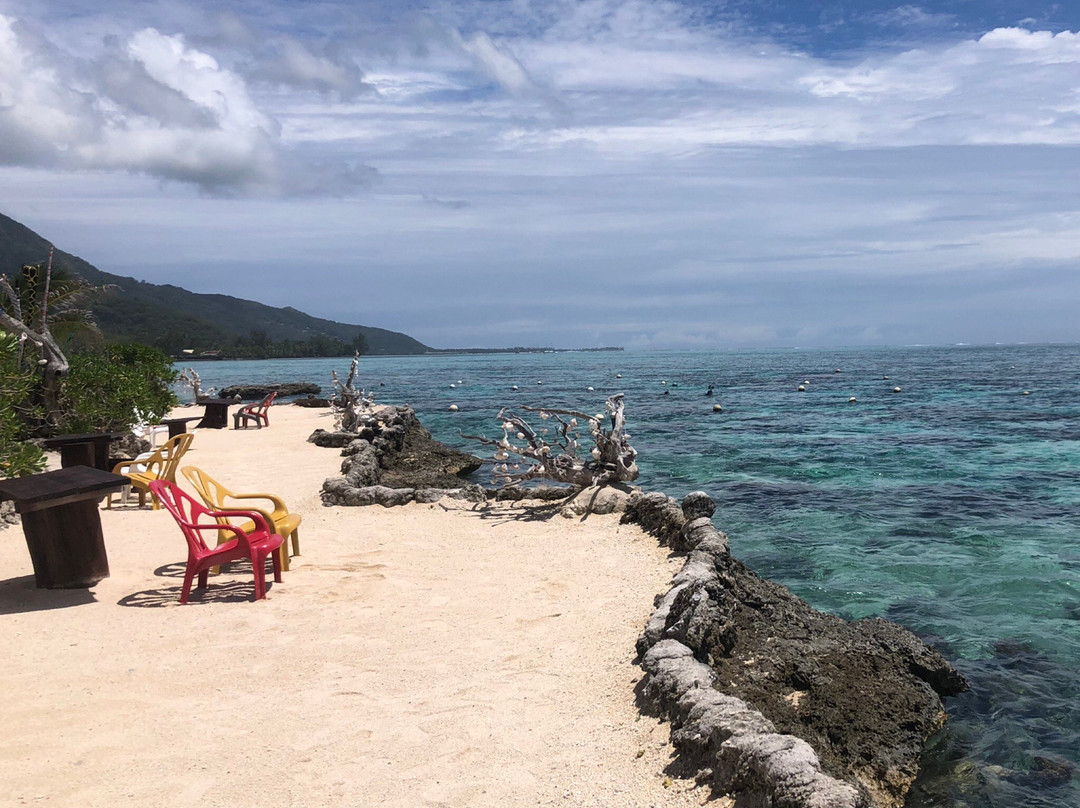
(217, 591)
(18, 595)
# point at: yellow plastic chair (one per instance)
(282, 522)
(160, 465)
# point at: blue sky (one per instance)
(605, 172)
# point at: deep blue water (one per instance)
(952, 507)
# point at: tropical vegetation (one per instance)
(44, 316)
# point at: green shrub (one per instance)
(116, 387)
(17, 458)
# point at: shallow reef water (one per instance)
(951, 506)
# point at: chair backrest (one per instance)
(186, 510)
(260, 410)
(212, 492)
(164, 461)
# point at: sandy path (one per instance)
(417, 656)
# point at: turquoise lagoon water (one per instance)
(952, 507)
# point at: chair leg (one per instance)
(189, 574)
(282, 554)
(295, 542)
(277, 564)
(258, 564)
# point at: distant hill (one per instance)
(173, 318)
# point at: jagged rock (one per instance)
(312, 401)
(331, 440)
(772, 770)
(338, 491)
(606, 499)
(417, 460)
(544, 493)
(361, 464)
(7, 514)
(391, 451)
(126, 447)
(698, 504)
(257, 392)
(657, 514)
(862, 696)
(470, 493)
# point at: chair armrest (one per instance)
(218, 526)
(279, 504)
(261, 523)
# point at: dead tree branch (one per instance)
(552, 453)
(53, 361)
(350, 403)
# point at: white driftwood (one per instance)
(523, 453)
(191, 378)
(350, 404)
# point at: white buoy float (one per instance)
(1026, 393)
(590, 389)
(896, 389)
(618, 375)
(802, 389)
(717, 408)
(453, 408)
(452, 386)
(514, 387)
(851, 400)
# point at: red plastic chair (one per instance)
(194, 518)
(259, 413)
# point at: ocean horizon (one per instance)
(935, 486)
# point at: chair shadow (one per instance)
(20, 595)
(230, 592)
(175, 570)
(224, 592)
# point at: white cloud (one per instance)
(648, 164)
(496, 62)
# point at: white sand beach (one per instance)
(428, 655)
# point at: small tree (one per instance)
(17, 456)
(112, 389)
(39, 301)
(554, 452)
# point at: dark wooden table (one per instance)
(62, 525)
(178, 426)
(89, 449)
(215, 414)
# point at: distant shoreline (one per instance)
(432, 352)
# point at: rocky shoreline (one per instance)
(769, 699)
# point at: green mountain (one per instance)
(175, 319)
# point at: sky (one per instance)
(567, 173)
